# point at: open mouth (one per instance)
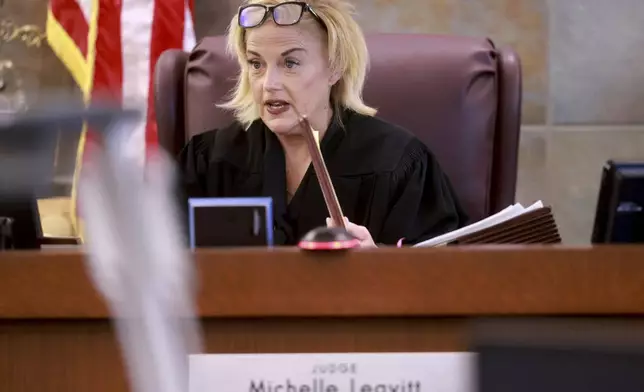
(276, 104)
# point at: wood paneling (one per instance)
(55, 334)
(385, 282)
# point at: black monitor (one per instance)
(226, 222)
(28, 144)
(619, 216)
(559, 355)
(20, 226)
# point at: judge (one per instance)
(388, 183)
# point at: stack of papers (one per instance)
(515, 224)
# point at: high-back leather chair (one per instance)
(461, 96)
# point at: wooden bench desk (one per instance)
(55, 333)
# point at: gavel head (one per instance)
(328, 238)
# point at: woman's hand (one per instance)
(360, 232)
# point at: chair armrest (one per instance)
(169, 99)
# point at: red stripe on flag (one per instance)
(70, 16)
(108, 66)
(167, 33)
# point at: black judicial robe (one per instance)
(385, 179)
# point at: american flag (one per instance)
(110, 47)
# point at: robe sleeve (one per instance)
(193, 165)
(193, 169)
(423, 203)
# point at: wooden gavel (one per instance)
(330, 198)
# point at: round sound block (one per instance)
(328, 238)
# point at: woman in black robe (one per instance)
(388, 183)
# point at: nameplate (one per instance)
(399, 372)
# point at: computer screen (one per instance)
(226, 222)
(559, 355)
(619, 215)
(20, 221)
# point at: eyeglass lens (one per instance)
(283, 14)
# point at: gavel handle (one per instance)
(322, 173)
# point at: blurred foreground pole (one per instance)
(137, 261)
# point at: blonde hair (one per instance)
(347, 50)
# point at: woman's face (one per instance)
(293, 58)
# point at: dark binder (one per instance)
(534, 227)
